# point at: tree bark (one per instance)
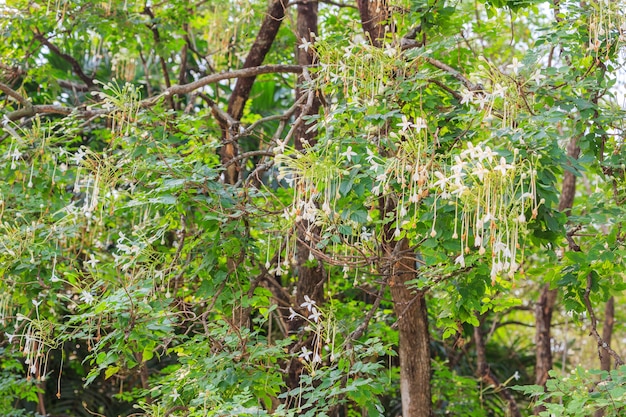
(607, 334)
(543, 319)
(243, 86)
(310, 278)
(547, 299)
(409, 305)
(374, 14)
(306, 27)
(414, 346)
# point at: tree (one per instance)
(310, 207)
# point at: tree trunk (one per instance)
(414, 349)
(310, 277)
(543, 319)
(409, 305)
(243, 86)
(607, 334)
(547, 299)
(374, 14)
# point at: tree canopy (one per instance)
(317, 208)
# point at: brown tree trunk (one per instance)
(374, 14)
(547, 299)
(310, 277)
(414, 346)
(409, 305)
(543, 320)
(607, 334)
(243, 86)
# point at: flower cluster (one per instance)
(356, 70)
(35, 342)
(492, 196)
(323, 333)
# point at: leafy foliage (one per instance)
(136, 279)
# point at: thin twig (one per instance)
(358, 332)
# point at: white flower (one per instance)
(280, 146)
(538, 77)
(36, 303)
(292, 314)
(278, 271)
(175, 395)
(406, 124)
(86, 297)
(92, 262)
(79, 156)
(460, 260)
(503, 167)
(304, 44)
(466, 96)
(306, 354)
(349, 154)
(480, 171)
(315, 314)
(10, 337)
(370, 157)
(308, 303)
(16, 154)
(420, 124)
(486, 154)
(499, 91)
(317, 358)
(482, 100)
(516, 375)
(515, 66)
(390, 51)
(442, 181)
(326, 207)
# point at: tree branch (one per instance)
(70, 59)
(602, 344)
(213, 78)
(14, 94)
(157, 39)
(49, 109)
(358, 332)
(454, 73)
(73, 86)
(32, 110)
